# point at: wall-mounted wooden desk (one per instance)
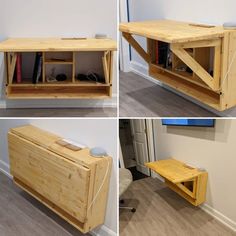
(70, 182)
(54, 48)
(187, 181)
(208, 51)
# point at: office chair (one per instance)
(125, 179)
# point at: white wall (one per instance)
(210, 148)
(92, 132)
(202, 11)
(74, 18)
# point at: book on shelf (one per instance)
(37, 73)
(162, 53)
(18, 68)
(157, 52)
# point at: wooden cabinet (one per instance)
(68, 56)
(71, 183)
(207, 51)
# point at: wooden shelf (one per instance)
(59, 52)
(55, 62)
(187, 181)
(58, 91)
(205, 50)
(60, 84)
(206, 96)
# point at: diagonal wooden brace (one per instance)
(136, 46)
(195, 66)
(106, 67)
(11, 64)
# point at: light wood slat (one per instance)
(173, 170)
(56, 44)
(112, 66)
(105, 67)
(201, 44)
(217, 65)
(172, 31)
(11, 66)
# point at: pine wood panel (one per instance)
(172, 31)
(56, 44)
(173, 170)
(52, 176)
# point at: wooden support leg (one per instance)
(136, 46)
(195, 66)
(11, 64)
(217, 65)
(111, 65)
(105, 67)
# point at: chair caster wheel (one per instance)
(133, 210)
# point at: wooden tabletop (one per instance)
(49, 140)
(172, 31)
(173, 170)
(56, 44)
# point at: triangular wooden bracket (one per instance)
(11, 64)
(212, 81)
(137, 47)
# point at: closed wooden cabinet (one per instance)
(70, 182)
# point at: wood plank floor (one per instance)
(59, 112)
(22, 215)
(161, 212)
(142, 98)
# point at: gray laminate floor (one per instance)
(142, 98)
(59, 112)
(161, 212)
(22, 215)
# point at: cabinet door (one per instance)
(56, 178)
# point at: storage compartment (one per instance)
(25, 70)
(61, 75)
(89, 67)
(162, 57)
(186, 85)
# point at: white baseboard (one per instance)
(61, 103)
(142, 70)
(219, 216)
(5, 169)
(210, 210)
(103, 231)
(2, 104)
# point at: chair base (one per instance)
(132, 209)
